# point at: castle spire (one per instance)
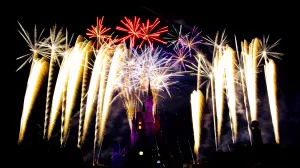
(143, 107)
(149, 89)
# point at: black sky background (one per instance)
(245, 19)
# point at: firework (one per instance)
(190, 41)
(229, 58)
(240, 73)
(174, 36)
(219, 89)
(270, 74)
(84, 89)
(60, 85)
(34, 46)
(91, 95)
(112, 76)
(250, 55)
(54, 44)
(197, 103)
(74, 79)
(149, 35)
(132, 28)
(36, 77)
(99, 32)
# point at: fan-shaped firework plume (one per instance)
(250, 56)
(109, 89)
(270, 73)
(149, 34)
(85, 77)
(91, 97)
(230, 62)
(218, 65)
(99, 32)
(54, 45)
(76, 61)
(34, 46)
(197, 103)
(38, 74)
(132, 28)
(60, 85)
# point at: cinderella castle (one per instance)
(145, 139)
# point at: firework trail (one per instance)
(75, 77)
(103, 83)
(61, 84)
(197, 103)
(36, 77)
(91, 96)
(240, 73)
(270, 74)
(250, 56)
(218, 65)
(63, 112)
(229, 58)
(109, 89)
(84, 89)
(54, 42)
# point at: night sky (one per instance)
(244, 20)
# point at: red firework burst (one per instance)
(149, 35)
(98, 32)
(132, 28)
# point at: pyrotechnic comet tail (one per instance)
(54, 43)
(103, 77)
(74, 81)
(84, 89)
(61, 83)
(36, 77)
(270, 74)
(91, 95)
(250, 56)
(197, 103)
(229, 58)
